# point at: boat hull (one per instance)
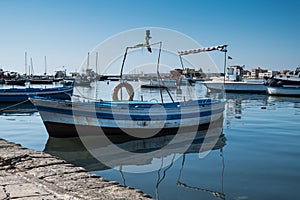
(22, 94)
(41, 81)
(63, 119)
(239, 87)
(62, 130)
(284, 91)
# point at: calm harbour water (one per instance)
(257, 158)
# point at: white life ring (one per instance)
(129, 90)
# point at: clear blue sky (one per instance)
(263, 33)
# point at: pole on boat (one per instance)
(96, 75)
(148, 45)
(157, 72)
(123, 62)
(181, 62)
(225, 59)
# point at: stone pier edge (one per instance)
(28, 174)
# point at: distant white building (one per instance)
(265, 74)
(261, 73)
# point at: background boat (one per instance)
(284, 91)
(20, 82)
(21, 94)
(234, 82)
(41, 80)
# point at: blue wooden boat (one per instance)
(136, 118)
(64, 118)
(21, 94)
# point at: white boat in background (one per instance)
(234, 82)
(288, 79)
(287, 84)
(284, 91)
(164, 83)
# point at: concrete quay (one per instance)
(31, 175)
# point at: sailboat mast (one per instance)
(25, 63)
(96, 75)
(88, 61)
(96, 62)
(31, 66)
(45, 66)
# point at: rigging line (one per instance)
(83, 97)
(163, 83)
(8, 107)
(159, 78)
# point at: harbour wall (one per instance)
(27, 174)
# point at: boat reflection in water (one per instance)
(142, 153)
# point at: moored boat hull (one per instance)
(64, 119)
(21, 94)
(61, 130)
(284, 91)
(239, 87)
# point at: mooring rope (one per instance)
(14, 105)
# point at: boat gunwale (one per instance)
(130, 104)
